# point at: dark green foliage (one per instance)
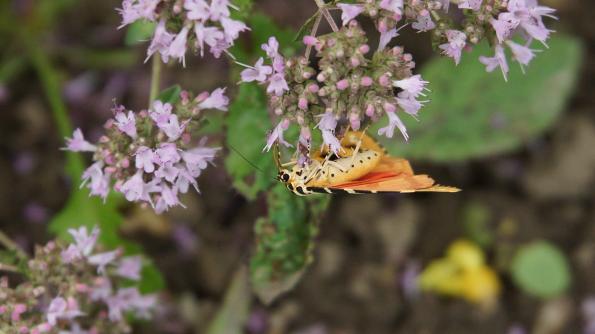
(285, 241)
(473, 113)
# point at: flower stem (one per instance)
(11, 245)
(155, 78)
(49, 79)
(313, 34)
(327, 15)
(9, 268)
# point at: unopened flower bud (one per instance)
(365, 48)
(343, 84)
(313, 88)
(367, 81)
(303, 103)
(310, 40)
(370, 110)
(384, 80)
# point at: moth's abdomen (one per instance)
(347, 169)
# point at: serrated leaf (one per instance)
(541, 269)
(285, 242)
(170, 95)
(139, 32)
(248, 123)
(472, 113)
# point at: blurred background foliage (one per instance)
(521, 150)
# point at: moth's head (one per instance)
(283, 176)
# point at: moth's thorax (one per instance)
(346, 169)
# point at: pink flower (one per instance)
(197, 159)
(310, 40)
(78, 143)
(173, 129)
(277, 84)
(168, 171)
(167, 153)
(99, 184)
(126, 123)
(455, 45)
(393, 122)
(17, 310)
(354, 121)
(395, 6)
(177, 48)
(349, 12)
(101, 290)
(129, 299)
(504, 26)
(147, 9)
(160, 113)
(217, 100)
(342, 84)
(168, 199)
(277, 135)
(474, 5)
(424, 22)
(197, 10)
(144, 159)
(408, 103)
(128, 12)
(259, 73)
(219, 9)
(386, 37)
(135, 189)
(413, 85)
(271, 48)
(232, 28)
(327, 125)
(522, 54)
(161, 42)
(83, 243)
(184, 180)
(499, 60)
(59, 309)
(101, 260)
(209, 35)
(129, 267)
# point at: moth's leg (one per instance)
(358, 145)
(290, 163)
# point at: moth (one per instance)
(362, 167)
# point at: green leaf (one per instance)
(541, 269)
(233, 314)
(248, 123)
(473, 113)
(285, 241)
(244, 9)
(170, 95)
(139, 32)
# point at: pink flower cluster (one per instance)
(344, 88)
(185, 24)
(75, 289)
(150, 155)
(504, 18)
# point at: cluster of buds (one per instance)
(346, 86)
(151, 156)
(72, 289)
(496, 20)
(185, 24)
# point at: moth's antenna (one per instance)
(246, 159)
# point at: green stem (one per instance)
(155, 78)
(11, 245)
(329, 18)
(49, 79)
